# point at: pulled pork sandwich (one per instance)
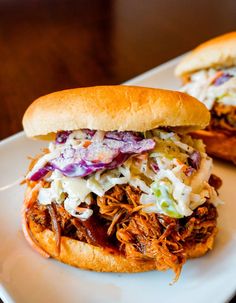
(120, 187)
(209, 74)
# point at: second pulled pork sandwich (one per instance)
(209, 74)
(121, 187)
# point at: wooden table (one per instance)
(52, 45)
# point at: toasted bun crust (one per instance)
(218, 144)
(217, 52)
(108, 108)
(86, 256)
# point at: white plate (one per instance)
(27, 277)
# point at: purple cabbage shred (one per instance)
(222, 79)
(42, 172)
(194, 159)
(154, 167)
(117, 147)
(62, 136)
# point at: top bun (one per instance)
(108, 108)
(217, 52)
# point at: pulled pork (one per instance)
(154, 236)
(223, 118)
(120, 225)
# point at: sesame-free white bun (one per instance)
(108, 108)
(217, 52)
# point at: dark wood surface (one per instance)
(48, 45)
(52, 45)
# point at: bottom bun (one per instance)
(86, 256)
(218, 144)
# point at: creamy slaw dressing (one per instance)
(201, 86)
(169, 190)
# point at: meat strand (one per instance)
(119, 224)
(55, 226)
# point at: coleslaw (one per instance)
(171, 170)
(213, 85)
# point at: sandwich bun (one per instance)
(217, 52)
(108, 108)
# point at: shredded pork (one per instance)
(154, 236)
(119, 224)
(223, 118)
